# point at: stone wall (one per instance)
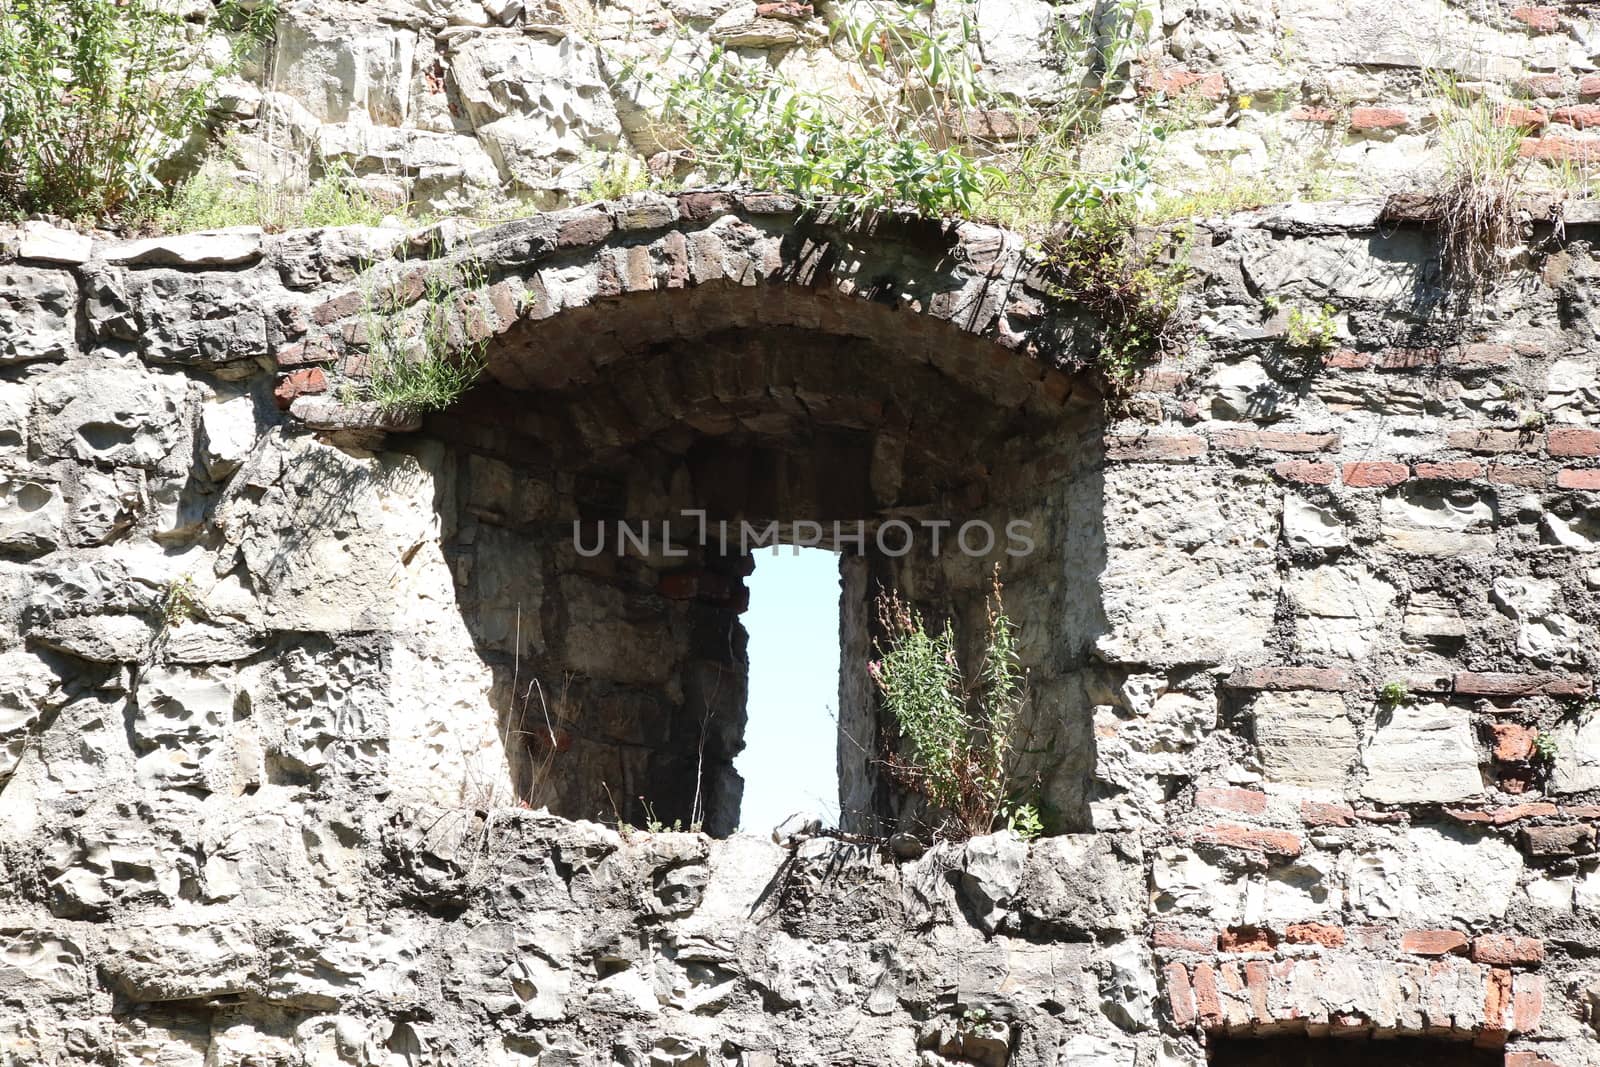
(265, 792)
(457, 105)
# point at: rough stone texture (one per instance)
(271, 762)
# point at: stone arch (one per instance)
(731, 356)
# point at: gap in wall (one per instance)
(790, 758)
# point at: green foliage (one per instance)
(424, 355)
(1394, 695)
(178, 606)
(1545, 748)
(1476, 197)
(617, 177)
(212, 199)
(957, 738)
(95, 95)
(1312, 328)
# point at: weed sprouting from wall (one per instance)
(1480, 230)
(957, 735)
(424, 354)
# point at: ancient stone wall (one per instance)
(457, 105)
(267, 773)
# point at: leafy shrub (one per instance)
(425, 356)
(956, 738)
(96, 94)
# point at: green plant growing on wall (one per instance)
(1545, 748)
(956, 737)
(424, 355)
(1393, 695)
(95, 95)
(1476, 196)
(178, 606)
(1311, 328)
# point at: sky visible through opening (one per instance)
(790, 757)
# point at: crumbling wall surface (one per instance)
(255, 806)
(457, 105)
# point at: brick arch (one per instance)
(566, 292)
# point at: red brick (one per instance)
(1146, 447)
(1493, 440)
(311, 350)
(1528, 117)
(1546, 85)
(1207, 1004)
(308, 381)
(1527, 1005)
(584, 226)
(1454, 471)
(1176, 82)
(1574, 839)
(1314, 934)
(1324, 679)
(1247, 939)
(1480, 354)
(1305, 472)
(1506, 950)
(1375, 474)
(1578, 116)
(1180, 995)
(1408, 358)
(1581, 811)
(1378, 118)
(1513, 743)
(1543, 19)
(1157, 380)
(1574, 442)
(1589, 85)
(1325, 115)
(1274, 441)
(1525, 475)
(1433, 942)
(1496, 998)
(1546, 683)
(1244, 801)
(1528, 1059)
(1171, 937)
(1252, 839)
(1516, 812)
(1574, 478)
(337, 308)
(1258, 980)
(1320, 813)
(1561, 149)
(784, 9)
(1347, 359)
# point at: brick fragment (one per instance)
(1148, 447)
(1258, 981)
(1323, 679)
(1561, 149)
(1543, 683)
(1320, 813)
(1252, 839)
(1208, 1006)
(1305, 472)
(1575, 478)
(1244, 801)
(1408, 358)
(1274, 441)
(584, 226)
(1496, 999)
(1324, 115)
(337, 308)
(1375, 475)
(1495, 441)
(1578, 116)
(1574, 442)
(1527, 1004)
(1180, 995)
(1546, 85)
(1517, 812)
(1314, 934)
(1453, 471)
(1246, 939)
(1378, 118)
(1177, 939)
(1525, 476)
(1507, 950)
(784, 9)
(307, 381)
(1542, 19)
(1433, 942)
(1178, 81)
(1513, 742)
(1527, 117)
(1589, 85)
(1555, 842)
